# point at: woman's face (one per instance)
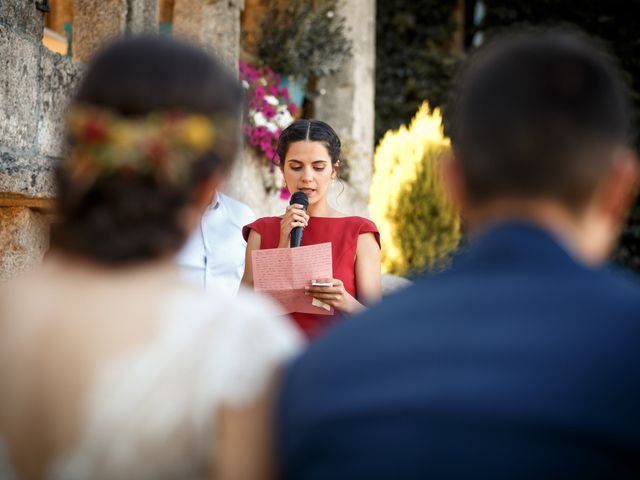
(307, 168)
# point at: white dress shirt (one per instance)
(213, 256)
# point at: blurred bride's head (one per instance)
(151, 132)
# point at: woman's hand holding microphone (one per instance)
(293, 217)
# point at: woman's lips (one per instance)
(308, 191)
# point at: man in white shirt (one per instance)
(213, 256)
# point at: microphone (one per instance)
(296, 232)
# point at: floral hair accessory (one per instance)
(163, 145)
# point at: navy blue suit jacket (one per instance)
(517, 363)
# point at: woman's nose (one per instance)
(307, 174)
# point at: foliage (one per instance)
(616, 25)
(419, 227)
(302, 41)
(269, 112)
(413, 59)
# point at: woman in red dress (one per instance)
(309, 152)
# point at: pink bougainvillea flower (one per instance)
(269, 111)
(267, 99)
(270, 154)
(285, 194)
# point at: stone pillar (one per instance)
(214, 24)
(348, 100)
(94, 23)
(221, 32)
(34, 87)
(143, 16)
(187, 19)
(24, 238)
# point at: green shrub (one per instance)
(418, 225)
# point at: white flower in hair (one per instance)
(271, 100)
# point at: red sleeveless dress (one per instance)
(343, 233)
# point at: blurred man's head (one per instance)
(542, 121)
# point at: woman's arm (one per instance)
(367, 272)
(253, 243)
(368, 269)
(244, 439)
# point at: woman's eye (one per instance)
(318, 169)
(296, 169)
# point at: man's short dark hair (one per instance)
(537, 115)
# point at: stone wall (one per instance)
(34, 86)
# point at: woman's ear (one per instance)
(336, 169)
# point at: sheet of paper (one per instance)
(282, 273)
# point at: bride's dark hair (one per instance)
(122, 217)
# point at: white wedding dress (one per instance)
(150, 413)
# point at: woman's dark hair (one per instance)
(128, 218)
(310, 130)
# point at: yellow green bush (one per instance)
(419, 226)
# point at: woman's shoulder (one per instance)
(361, 225)
(261, 226)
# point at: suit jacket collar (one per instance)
(517, 243)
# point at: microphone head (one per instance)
(300, 198)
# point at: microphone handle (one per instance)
(296, 237)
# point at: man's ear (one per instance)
(453, 180)
(619, 187)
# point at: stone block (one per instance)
(29, 176)
(187, 19)
(24, 239)
(18, 90)
(94, 23)
(22, 16)
(221, 32)
(59, 77)
(392, 284)
(142, 16)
